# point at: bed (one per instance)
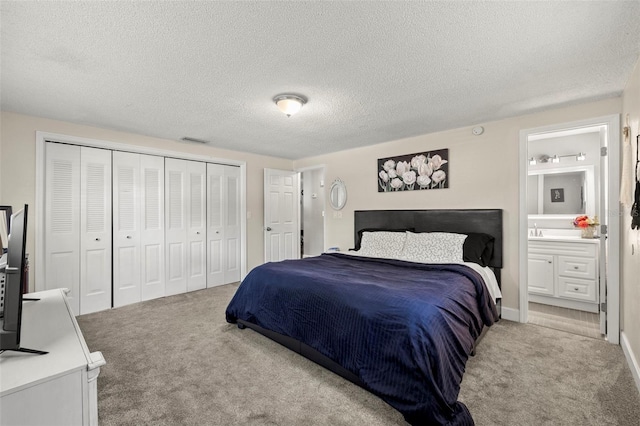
(395, 325)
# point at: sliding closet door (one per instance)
(196, 225)
(126, 228)
(223, 224)
(152, 226)
(62, 233)
(95, 230)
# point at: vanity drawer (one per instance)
(575, 288)
(577, 267)
(587, 248)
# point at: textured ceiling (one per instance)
(372, 71)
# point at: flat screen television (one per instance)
(11, 320)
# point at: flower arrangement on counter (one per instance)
(587, 225)
(585, 221)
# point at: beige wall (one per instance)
(630, 239)
(483, 173)
(17, 169)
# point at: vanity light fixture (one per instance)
(581, 156)
(289, 104)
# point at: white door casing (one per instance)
(281, 215)
(610, 274)
(44, 279)
(95, 230)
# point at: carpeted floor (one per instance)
(175, 361)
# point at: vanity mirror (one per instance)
(562, 191)
(338, 194)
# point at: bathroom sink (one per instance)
(550, 233)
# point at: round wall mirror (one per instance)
(338, 194)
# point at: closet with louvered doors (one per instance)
(185, 225)
(77, 243)
(138, 228)
(223, 224)
(123, 227)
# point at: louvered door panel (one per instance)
(62, 233)
(215, 227)
(152, 227)
(176, 226)
(95, 230)
(232, 224)
(196, 230)
(126, 228)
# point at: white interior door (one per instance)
(95, 230)
(196, 225)
(62, 206)
(176, 225)
(281, 215)
(152, 227)
(126, 228)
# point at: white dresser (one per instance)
(59, 388)
(564, 272)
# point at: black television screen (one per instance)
(10, 323)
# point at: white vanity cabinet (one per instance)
(564, 272)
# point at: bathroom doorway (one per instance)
(566, 280)
(312, 211)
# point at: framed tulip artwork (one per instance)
(414, 172)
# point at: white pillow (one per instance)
(382, 244)
(434, 247)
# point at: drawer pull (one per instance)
(576, 288)
(575, 267)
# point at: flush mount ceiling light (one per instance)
(289, 104)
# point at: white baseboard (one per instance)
(511, 314)
(632, 359)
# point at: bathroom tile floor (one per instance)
(569, 320)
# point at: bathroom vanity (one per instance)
(563, 271)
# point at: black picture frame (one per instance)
(414, 172)
(557, 195)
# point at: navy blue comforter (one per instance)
(405, 329)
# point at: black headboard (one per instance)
(488, 221)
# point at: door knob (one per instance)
(97, 239)
(129, 237)
(268, 228)
(197, 232)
